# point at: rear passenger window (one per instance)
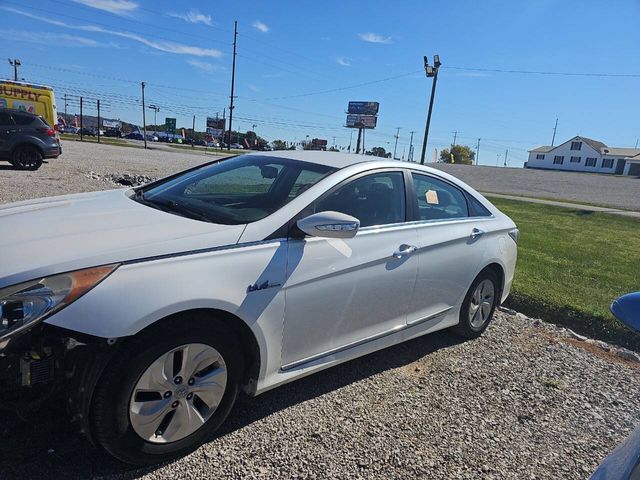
(5, 119)
(24, 119)
(437, 199)
(476, 209)
(377, 199)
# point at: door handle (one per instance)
(477, 233)
(404, 249)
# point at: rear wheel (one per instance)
(26, 157)
(478, 305)
(167, 393)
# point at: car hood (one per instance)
(58, 234)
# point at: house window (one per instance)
(607, 163)
(558, 160)
(540, 156)
(575, 159)
(590, 162)
(576, 145)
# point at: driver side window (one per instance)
(377, 199)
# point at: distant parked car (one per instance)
(134, 136)
(113, 132)
(26, 139)
(237, 146)
(71, 129)
(86, 132)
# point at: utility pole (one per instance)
(506, 157)
(455, 135)
(430, 72)
(81, 128)
(144, 118)
(554, 132)
(65, 108)
(193, 132)
(410, 155)
(155, 109)
(15, 63)
(98, 104)
(233, 79)
(478, 152)
(396, 144)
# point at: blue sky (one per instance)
(289, 53)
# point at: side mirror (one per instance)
(329, 225)
(627, 309)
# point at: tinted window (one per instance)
(377, 199)
(24, 119)
(5, 119)
(437, 199)
(240, 190)
(476, 209)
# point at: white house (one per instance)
(581, 154)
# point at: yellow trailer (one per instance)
(28, 97)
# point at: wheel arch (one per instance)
(498, 270)
(246, 337)
(26, 144)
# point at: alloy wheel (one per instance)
(481, 303)
(178, 393)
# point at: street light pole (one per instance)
(431, 72)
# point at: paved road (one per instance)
(587, 188)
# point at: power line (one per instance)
(535, 72)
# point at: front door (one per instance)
(342, 292)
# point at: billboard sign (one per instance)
(170, 125)
(363, 108)
(362, 121)
(219, 123)
(112, 123)
(215, 132)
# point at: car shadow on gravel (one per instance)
(47, 445)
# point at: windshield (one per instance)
(240, 190)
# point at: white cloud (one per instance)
(345, 62)
(253, 88)
(374, 38)
(49, 38)
(193, 16)
(119, 7)
(260, 26)
(204, 66)
(161, 45)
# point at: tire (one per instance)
(124, 403)
(26, 157)
(475, 320)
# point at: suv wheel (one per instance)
(26, 158)
(167, 392)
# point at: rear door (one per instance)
(7, 129)
(344, 292)
(451, 247)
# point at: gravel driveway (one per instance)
(523, 401)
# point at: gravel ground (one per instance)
(588, 188)
(527, 400)
(523, 401)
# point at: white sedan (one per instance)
(151, 308)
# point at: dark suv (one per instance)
(26, 139)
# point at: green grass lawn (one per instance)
(572, 264)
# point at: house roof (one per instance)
(635, 158)
(621, 152)
(599, 147)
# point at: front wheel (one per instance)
(166, 394)
(478, 305)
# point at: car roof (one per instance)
(330, 159)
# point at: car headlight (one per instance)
(24, 305)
